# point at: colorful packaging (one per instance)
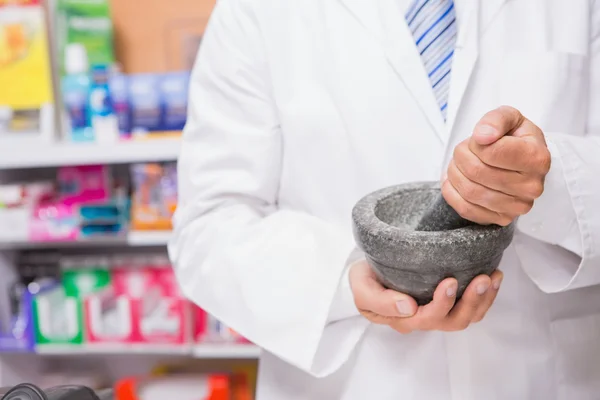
(16, 328)
(102, 116)
(155, 196)
(119, 90)
(208, 329)
(192, 386)
(84, 184)
(145, 103)
(88, 23)
(53, 221)
(26, 97)
(17, 206)
(174, 96)
(55, 316)
(75, 87)
(142, 305)
(58, 308)
(158, 103)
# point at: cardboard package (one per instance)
(158, 35)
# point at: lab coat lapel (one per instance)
(465, 58)
(403, 56)
(477, 17)
(384, 19)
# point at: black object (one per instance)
(440, 216)
(28, 391)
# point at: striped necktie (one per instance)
(433, 26)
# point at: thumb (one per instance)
(390, 303)
(496, 124)
(371, 296)
(486, 134)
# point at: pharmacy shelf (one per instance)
(133, 239)
(207, 351)
(113, 349)
(21, 156)
(148, 238)
(235, 351)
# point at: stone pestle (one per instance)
(440, 216)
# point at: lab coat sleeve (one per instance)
(558, 242)
(271, 274)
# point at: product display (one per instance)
(88, 23)
(96, 301)
(86, 280)
(141, 305)
(18, 203)
(415, 262)
(26, 98)
(208, 329)
(154, 196)
(75, 87)
(158, 102)
(88, 203)
(16, 323)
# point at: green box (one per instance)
(58, 307)
(87, 22)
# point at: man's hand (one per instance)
(498, 172)
(400, 311)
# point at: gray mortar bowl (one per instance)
(415, 262)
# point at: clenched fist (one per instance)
(498, 172)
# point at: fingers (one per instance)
(490, 199)
(399, 311)
(470, 211)
(514, 154)
(432, 314)
(473, 301)
(374, 301)
(489, 297)
(496, 124)
(509, 182)
(505, 139)
(531, 131)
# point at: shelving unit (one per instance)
(43, 155)
(237, 351)
(205, 351)
(33, 159)
(133, 239)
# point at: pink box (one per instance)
(142, 305)
(84, 184)
(53, 222)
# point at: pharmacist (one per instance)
(299, 108)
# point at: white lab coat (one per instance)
(299, 108)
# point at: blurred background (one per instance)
(93, 97)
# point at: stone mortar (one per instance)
(415, 262)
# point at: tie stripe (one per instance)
(433, 26)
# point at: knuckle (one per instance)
(525, 207)
(474, 170)
(478, 319)
(535, 188)
(460, 152)
(510, 113)
(504, 221)
(544, 161)
(469, 192)
(464, 210)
